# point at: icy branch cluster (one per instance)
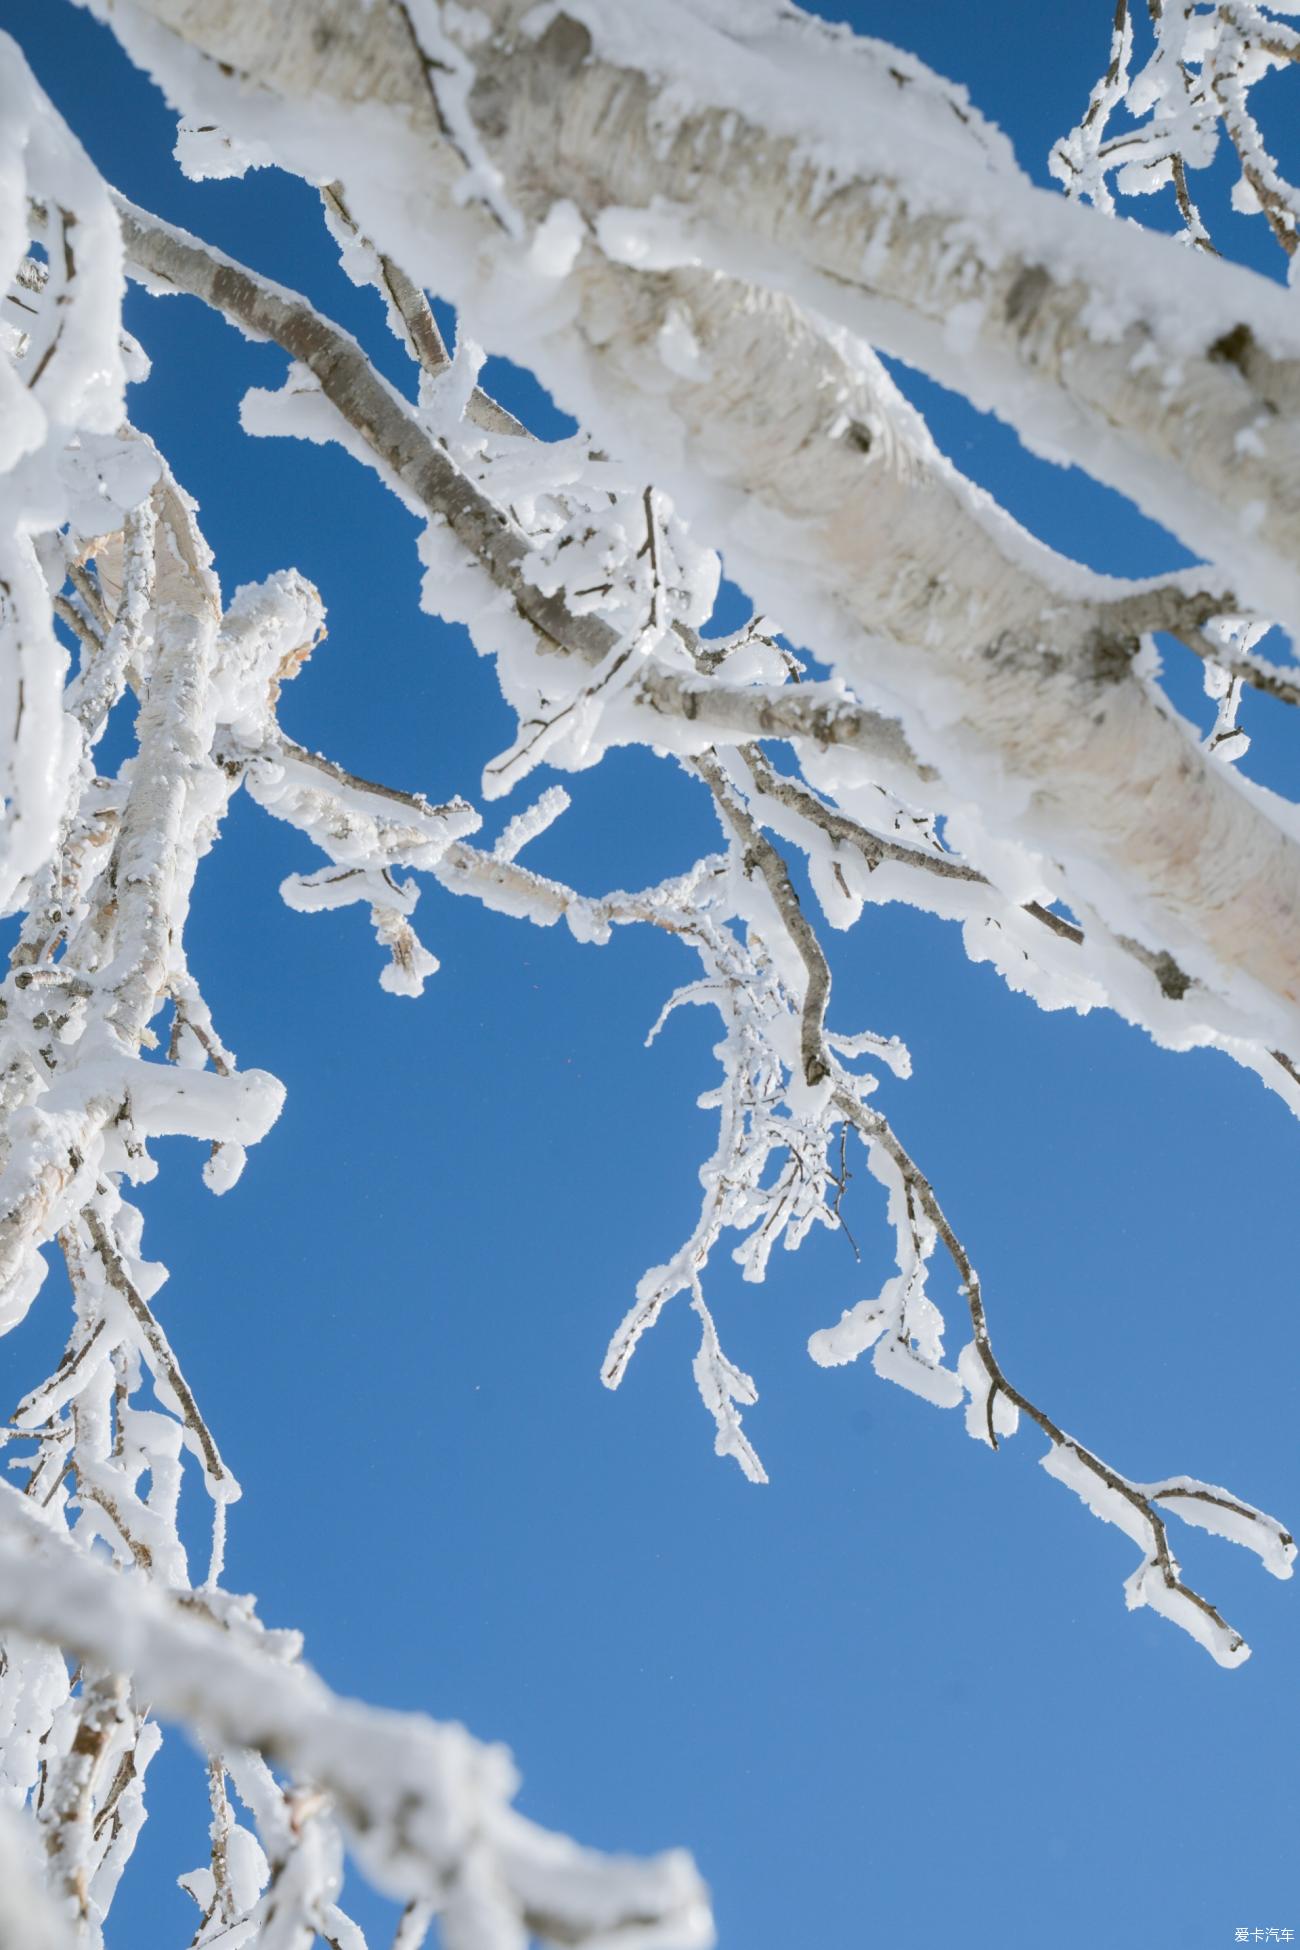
(1193, 89)
(695, 236)
(105, 1044)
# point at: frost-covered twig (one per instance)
(418, 465)
(62, 376)
(994, 1406)
(409, 312)
(903, 1325)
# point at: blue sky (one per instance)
(895, 1696)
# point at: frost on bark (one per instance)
(685, 219)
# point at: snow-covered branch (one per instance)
(763, 144)
(91, 1650)
(1017, 674)
(694, 222)
(1067, 718)
(424, 1806)
(63, 370)
(803, 1100)
(995, 1404)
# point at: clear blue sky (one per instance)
(894, 1697)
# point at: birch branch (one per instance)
(567, 105)
(1157, 1582)
(421, 1802)
(1039, 655)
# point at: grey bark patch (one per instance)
(565, 45)
(1026, 295)
(1110, 655)
(1234, 348)
(1174, 982)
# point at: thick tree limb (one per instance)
(903, 237)
(900, 223)
(924, 596)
